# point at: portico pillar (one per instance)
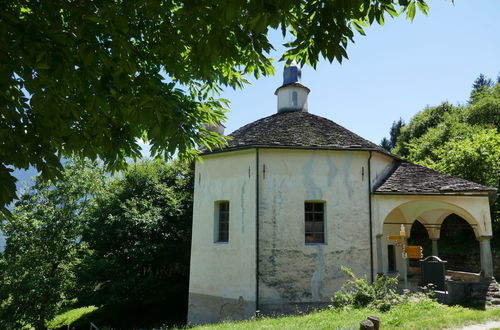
(434, 232)
(434, 246)
(380, 258)
(486, 257)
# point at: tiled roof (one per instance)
(408, 178)
(297, 129)
(294, 84)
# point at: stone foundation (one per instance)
(205, 309)
(484, 293)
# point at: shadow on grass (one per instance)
(134, 316)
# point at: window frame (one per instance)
(311, 216)
(221, 221)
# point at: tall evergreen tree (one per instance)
(394, 134)
(481, 82)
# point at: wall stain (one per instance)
(242, 206)
(276, 205)
(313, 191)
(318, 275)
(299, 276)
(347, 171)
(332, 170)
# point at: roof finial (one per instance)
(292, 74)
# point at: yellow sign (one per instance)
(396, 238)
(414, 251)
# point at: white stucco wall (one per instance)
(381, 165)
(290, 270)
(224, 269)
(285, 98)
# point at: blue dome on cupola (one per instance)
(292, 74)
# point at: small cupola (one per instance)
(292, 95)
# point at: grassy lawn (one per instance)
(424, 314)
(69, 317)
(416, 315)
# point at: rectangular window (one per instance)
(314, 217)
(222, 222)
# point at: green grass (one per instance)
(415, 315)
(69, 317)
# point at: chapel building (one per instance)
(293, 197)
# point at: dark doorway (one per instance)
(391, 255)
(419, 236)
(458, 245)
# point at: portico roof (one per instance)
(408, 178)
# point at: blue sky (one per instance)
(395, 71)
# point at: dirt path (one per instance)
(489, 325)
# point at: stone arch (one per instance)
(430, 213)
(473, 224)
(390, 212)
(417, 227)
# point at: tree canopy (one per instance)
(44, 247)
(461, 140)
(140, 237)
(120, 243)
(90, 78)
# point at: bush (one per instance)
(381, 294)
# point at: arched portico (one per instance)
(392, 211)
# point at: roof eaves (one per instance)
(267, 146)
(295, 84)
(471, 193)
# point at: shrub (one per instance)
(381, 294)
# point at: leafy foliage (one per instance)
(90, 78)
(44, 246)
(122, 245)
(356, 292)
(140, 239)
(419, 125)
(484, 110)
(380, 295)
(476, 157)
(462, 141)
